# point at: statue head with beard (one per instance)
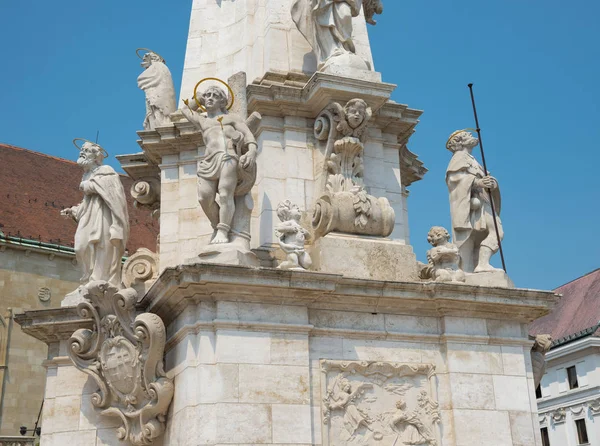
(91, 155)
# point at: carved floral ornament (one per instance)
(379, 403)
(123, 354)
(345, 205)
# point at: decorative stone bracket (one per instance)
(146, 193)
(123, 353)
(345, 205)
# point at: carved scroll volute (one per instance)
(141, 270)
(344, 204)
(123, 354)
(146, 193)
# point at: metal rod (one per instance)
(486, 174)
(97, 134)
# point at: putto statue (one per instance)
(443, 259)
(292, 237)
(102, 218)
(327, 25)
(157, 83)
(470, 206)
(228, 167)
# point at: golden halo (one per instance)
(218, 80)
(148, 50)
(104, 152)
(456, 133)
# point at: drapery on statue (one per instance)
(157, 84)
(470, 206)
(102, 218)
(327, 24)
(229, 165)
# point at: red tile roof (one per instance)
(577, 311)
(34, 187)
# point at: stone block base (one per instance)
(497, 279)
(227, 254)
(364, 258)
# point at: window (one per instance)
(545, 438)
(538, 392)
(581, 431)
(572, 377)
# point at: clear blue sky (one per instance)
(69, 68)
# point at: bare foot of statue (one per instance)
(220, 237)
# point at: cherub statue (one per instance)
(229, 165)
(443, 259)
(352, 118)
(471, 205)
(292, 237)
(157, 83)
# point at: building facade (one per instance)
(569, 393)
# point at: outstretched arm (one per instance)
(190, 111)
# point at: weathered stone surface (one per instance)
(365, 258)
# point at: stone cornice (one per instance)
(193, 283)
(53, 324)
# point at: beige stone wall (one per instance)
(22, 274)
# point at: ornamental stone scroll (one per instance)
(124, 356)
(345, 205)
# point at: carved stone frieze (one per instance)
(123, 353)
(345, 205)
(559, 415)
(379, 403)
(594, 406)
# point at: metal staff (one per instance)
(486, 174)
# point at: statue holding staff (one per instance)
(471, 195)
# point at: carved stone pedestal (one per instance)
(491, 278)
(364, 257)
(226, 254)
(268, 356)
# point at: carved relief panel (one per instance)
(379, 403)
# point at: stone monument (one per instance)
(309, 157)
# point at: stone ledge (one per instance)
(212, 282)
(52, 325)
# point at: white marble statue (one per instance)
(292, 237)
(470, 205)
(229, 165)
(102, 219)
(327, 24)
(443, 259)
(157, 84)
